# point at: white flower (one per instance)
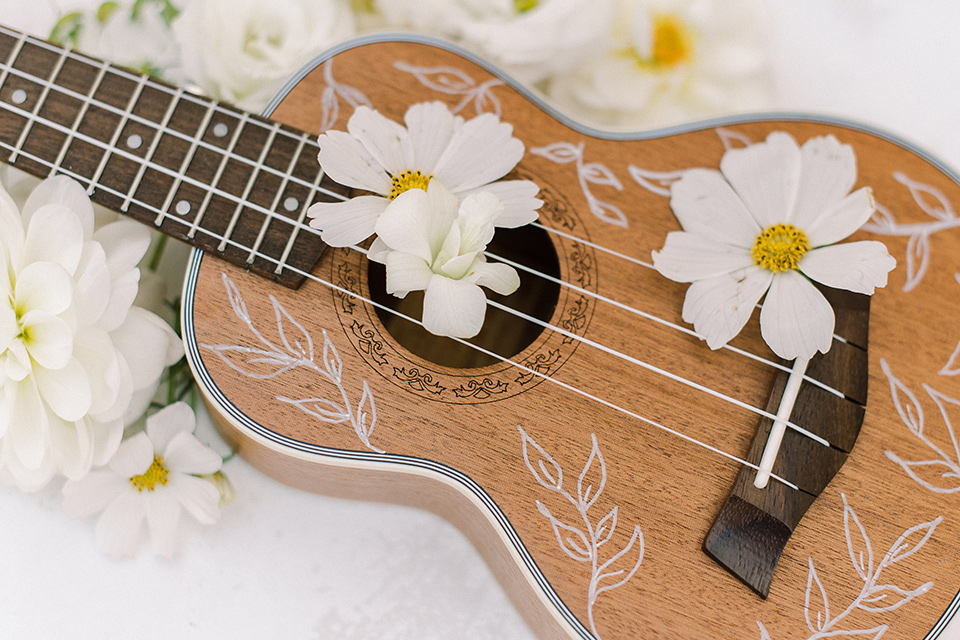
(431, 242)
(242, 51)
(134, 34)
(670, 62)
(531, 38)
(77, 361)
(767, 223)
(151, 478)
(379, 155)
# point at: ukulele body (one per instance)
(592, 518)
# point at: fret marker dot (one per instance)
(183, 208)
(134, 141)
(18, 97)
(291, 204)
(220, 129)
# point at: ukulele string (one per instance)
(561, 384)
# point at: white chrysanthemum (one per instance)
(531, 38)
(379, 155)
(670, 62)
(767, 223)
(431, 242)
(151, 478)
(242, 51)
(76, 358)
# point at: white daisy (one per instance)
(767, 223)
(431, 242)
(151, 477)
(381, 156)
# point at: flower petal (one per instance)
(124, 242)
(415, 222)
(54, 235)
(163, 519)
(66, 390)
(346, 161)
(854, 266)
(342, 224)
(520, 203)
(796, 320)
(705, 203)
(65, 192)
(386, 141)
(29, 430)
(198, 496)
(718, 307)
(118, 528)
(481, 151)
(166, 424)
(476, 218)
(687, 257)
(71, 445)
(431, 126)
(134, 456)
(496, 276)
(92, 493)
(48, 339)
(43, 286)
(828, 173)
(842, 218)
(93, 284)
(406, 272)
(186, 454)
(453, 307)
(766, 176)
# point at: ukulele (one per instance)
(586, 440)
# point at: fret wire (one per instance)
(80, 115)
(295, 135)
(148, 157)
(187, 159)
(548, 378)
(276, 198)
(12, 58)
(41, 100)
(296, 229)
(653, 318)
(246, 191)
(216, 178)
(108, 153)
(156, 167)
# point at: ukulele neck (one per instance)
(221, 179)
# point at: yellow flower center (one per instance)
(522, 6)
(407, 180)
(671, 45)
(779, 247)
(156, 474)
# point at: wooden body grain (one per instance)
(470, 424)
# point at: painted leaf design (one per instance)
(236, 300)
(887, 597)
(655, 181)
(910, 541)
(484, 101)
(733, 139)
(606, 527)
(903, 399)
(596, 173)
(939, 476)
(593, 477)
(302, 344)
(930, 199)
(918, 259)
(319, 408)
(764, 634)
(560, 152)
(858, 544)
(946, 405)
(608, 213)
(573, 541)
(259, 364)
(816, 608)
(875, 632)
(443, 79)
(952, 368)
(329, 109)
(881, 220)
(624, 557)
(540, 463)
(331, 359)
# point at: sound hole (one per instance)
(503, 333)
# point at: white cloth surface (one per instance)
(288, 564)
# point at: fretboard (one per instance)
(226, 181)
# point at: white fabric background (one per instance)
(287, 564)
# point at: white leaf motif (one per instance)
(636, 540)
(887, 597)
(918, 259)
(857, 542)
(236, 300)
(331, 359)
(940, 208)
(587, 494)
(952, 368)
(560, 152)
(819, 598)
(596, 173)
(573, 542)
(733, 139)
(659, 182)
(903, 548)
(302, 346)
(911, 413)
(547, 472)
(608, 213)
(764, 634)
(925, 471)
(320, 408)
